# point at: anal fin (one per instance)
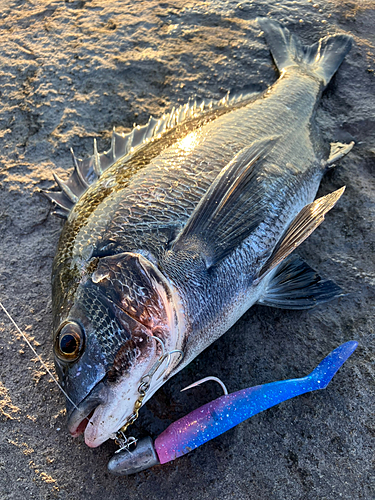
(297, 286)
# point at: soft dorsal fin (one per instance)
(88, 170)
(308, 219)
(297, 286)
(338, 150)
(231, 208)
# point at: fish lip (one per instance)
(94, 399)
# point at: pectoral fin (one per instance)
(232, 207)
(297, 286)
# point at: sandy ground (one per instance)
(71, 70)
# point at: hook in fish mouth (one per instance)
(106, 409)
(81, 415)
(110, 405)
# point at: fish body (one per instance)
(172, 236)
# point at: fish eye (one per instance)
(69, 342)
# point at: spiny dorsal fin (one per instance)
(308, 219)
(231, 208)
(88, 170)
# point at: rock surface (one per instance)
(69, 72)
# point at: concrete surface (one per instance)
(71, 70)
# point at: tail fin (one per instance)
(321, 59)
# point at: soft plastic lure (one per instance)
(220, 415)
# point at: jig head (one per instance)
(220, 415)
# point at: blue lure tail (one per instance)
(324, 372)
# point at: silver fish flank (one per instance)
(182, 226)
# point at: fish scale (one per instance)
(112, 222)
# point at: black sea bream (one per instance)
(182, 226)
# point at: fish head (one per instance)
(122, 325)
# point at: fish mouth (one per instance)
(88, 425)
(104, 411)
(81, 416)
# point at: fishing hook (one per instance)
(206, 379)
(121, 439)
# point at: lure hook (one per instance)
(121, 439)
(206, 379)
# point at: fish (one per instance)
(183, 225)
